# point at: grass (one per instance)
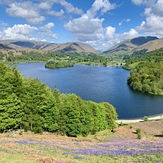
(103, 147)
(133, 65)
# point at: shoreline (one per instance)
(157, 117)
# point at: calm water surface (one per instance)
(98, 84)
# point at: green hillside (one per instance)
(30, 105)
(146, 72)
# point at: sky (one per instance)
(99, 23)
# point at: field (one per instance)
(121, 145)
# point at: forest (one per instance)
(56, 64)
(76, 58)
(146, 72)
(28, 104)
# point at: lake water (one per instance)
(98, 84)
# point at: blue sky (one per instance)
(99, 23)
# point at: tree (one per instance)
(10, 113)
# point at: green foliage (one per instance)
(61, 59)
(145, 118)
(138, 131)
(146, 72)
(54, 64)
(28, 104)
(10, 102)
(147, 77)
(139, 134)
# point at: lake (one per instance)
(98, 83)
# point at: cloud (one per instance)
(144, 2)
(137, 2)
(111, 38)
(153, 23)
(46, 31)
(36, 13)
(57, 14)
(26, 10)
(152, 26)
(19, 31)
(3, 24)
(128, 35)
(88, 27)
(45, 5)
(103, 5)
(158, 8)
(68, 7)
(110, 32)
(27, 32)
(6, 1)
(124, 20)
(85, 28)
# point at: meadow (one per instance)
(120, 146)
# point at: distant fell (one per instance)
(142, 40)
(71, 47)
(152, 45)
(4, 47)
(129, 46)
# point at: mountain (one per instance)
(4, 47)
(71, 47)
(152, 45)
(135, 44)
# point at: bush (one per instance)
(139, 135)
(145, 118)
(138, 132)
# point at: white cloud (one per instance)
(69, 8)
(3, 24)
(84, 25)
(36, 13)
(137, 2)
(6, 1)
(49, 25)
(57, 14)
(46, 31)
(144, 2)
(45, 5)
(110, 32)
(128, 35)
(36, 20)
(103, 5)
(19, 31)
(153, 23)
(88, 27)
(85, 29)
(152, 26)
(26, 10)
(158, 8)
(124, 20)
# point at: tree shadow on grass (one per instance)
(159, 136)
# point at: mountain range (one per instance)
(41, 46)
(148, 43)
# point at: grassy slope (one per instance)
(120, 146)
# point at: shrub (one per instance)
(139, 135)
(138, 132)
(145, 118)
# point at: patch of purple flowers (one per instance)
(118, 147)
(127, 147)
